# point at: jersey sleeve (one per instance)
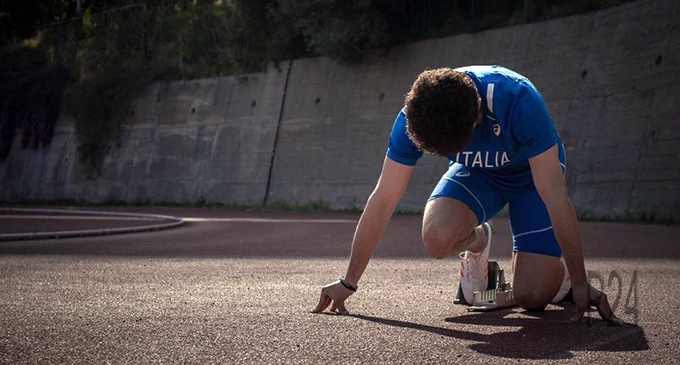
(400, 148)
(532, 125)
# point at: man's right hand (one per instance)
(334, 293)
(379, 208)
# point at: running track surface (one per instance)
(237, 287)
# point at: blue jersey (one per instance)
(515, 126)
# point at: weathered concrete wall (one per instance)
(334, 131)
(208, 139)
(610, 80)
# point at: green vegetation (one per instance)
(95, 57)
(103, 54)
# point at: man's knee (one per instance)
(447, 223)
(441, 242)
(536, 279)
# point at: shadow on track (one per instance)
(543, 335)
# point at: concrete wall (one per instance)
(209, 139)
(610, 79)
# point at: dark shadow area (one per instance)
(545, 335)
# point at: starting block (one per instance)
(498, 293)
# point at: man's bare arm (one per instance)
(552, 188)
(379, 208)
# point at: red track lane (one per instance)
(236, 287)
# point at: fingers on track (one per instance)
(324, 301)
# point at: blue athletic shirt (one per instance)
(515, 126)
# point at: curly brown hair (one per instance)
(441, 110)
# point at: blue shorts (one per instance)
(529, 219)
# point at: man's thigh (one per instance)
(537, 270)
(531, 225)
(475, 199)
(461, 201)
(447, 218)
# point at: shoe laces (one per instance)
(470, 264)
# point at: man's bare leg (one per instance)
(450, 227)
(536, 279)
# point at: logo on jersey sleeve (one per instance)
(497, 129)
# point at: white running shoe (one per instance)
(566, 285)
(474, 269)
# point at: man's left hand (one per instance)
(586, 296)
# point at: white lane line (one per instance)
(76, 217)
(267, 220)
(196, 219)
(174, 222)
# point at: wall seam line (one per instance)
(276, 135)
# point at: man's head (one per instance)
(441, 111)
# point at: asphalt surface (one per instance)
(237, 287)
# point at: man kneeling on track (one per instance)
(494, 127)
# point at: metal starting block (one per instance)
(492, 299)
(498, 293)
